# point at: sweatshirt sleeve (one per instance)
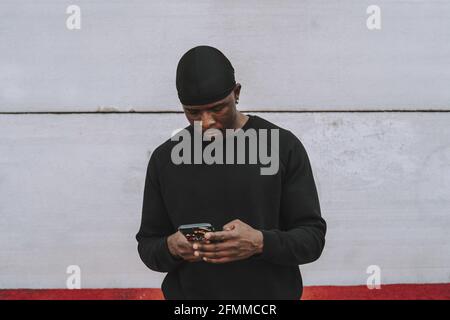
(155, 226)
(300, 238)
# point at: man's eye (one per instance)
(193, 111)
(217, 109)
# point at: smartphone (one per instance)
(196, 231)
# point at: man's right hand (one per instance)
(180, 247)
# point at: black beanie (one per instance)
(204, 75)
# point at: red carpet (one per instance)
(387, 292)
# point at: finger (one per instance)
(193, 259)
(220, 246)
(216, 255)
(187, 247)
(230, 226)
(220, 235)
(219, 260)
(195, 244)
(190, 256)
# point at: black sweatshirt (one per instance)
(284, 206)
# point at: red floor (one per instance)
(388, 292)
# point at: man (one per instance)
(270, 224)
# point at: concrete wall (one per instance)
(71, 184)
(292, 55)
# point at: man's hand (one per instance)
(239, 241)
(180, 247)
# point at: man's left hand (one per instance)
(238, 241)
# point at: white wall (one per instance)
(293, 55)
(71, 184)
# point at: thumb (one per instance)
(229, 226)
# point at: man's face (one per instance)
(218, 115)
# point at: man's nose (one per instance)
(207, 120)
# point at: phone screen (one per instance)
(196, 232)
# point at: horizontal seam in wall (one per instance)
(246, 111)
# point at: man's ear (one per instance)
(237, 91)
